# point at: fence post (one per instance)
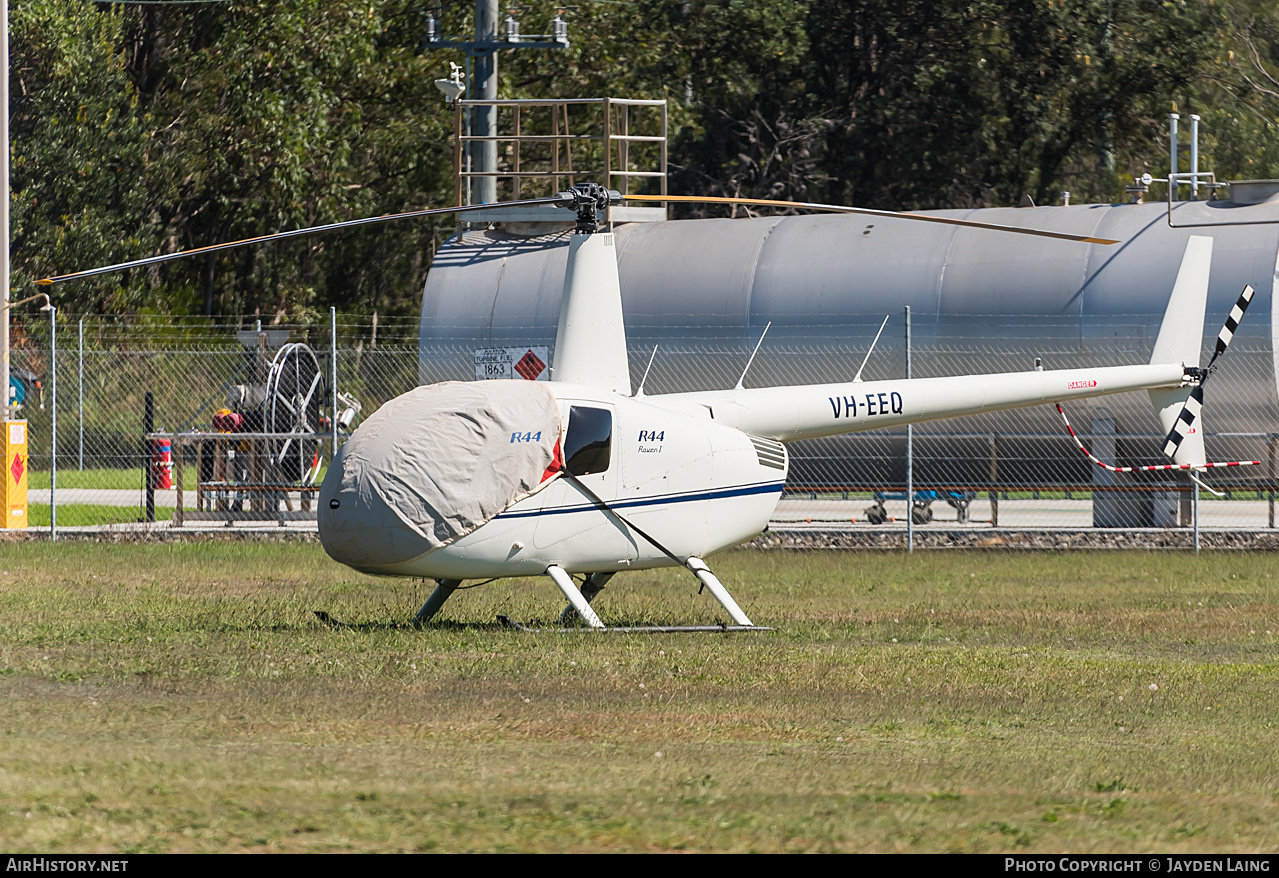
(80, 391)
(1109, 507)
(148, 427)
(53, 412)
(1196, 517)
(333, 379)
(994, 480)
(910, 457)
(1270, 495)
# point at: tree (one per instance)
(79, 147)
(153, 128)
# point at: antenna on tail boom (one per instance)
(858, 377)
(753, 353)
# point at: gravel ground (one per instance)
(1017, 539)
(788, 539)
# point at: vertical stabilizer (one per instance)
(1180, 341)
(1181, 334)
(590, 347)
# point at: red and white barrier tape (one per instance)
(1143, 469)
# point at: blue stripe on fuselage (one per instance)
(720, 494)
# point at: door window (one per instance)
(589, 442)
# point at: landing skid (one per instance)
(637, 629)
(580, 603)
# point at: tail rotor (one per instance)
(1183, 425)
(1184, 442)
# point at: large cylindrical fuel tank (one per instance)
(981, 301)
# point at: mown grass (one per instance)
(183, 697)
(100, 479)
(84, 514)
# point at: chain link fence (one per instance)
(1011, 470)
(107, 370)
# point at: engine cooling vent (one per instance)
(770, 453)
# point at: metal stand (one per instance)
(443, 591)
(1196, 515)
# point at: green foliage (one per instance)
(296, 114)
(1240, 97)
(142, 129)
(79, 148)
(156, 128)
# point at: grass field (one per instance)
(184, 697)
(100, 479)
(83, 514)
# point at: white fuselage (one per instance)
(700, 472)
(695, 486)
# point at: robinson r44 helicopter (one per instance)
(579, 475)
(583, 476)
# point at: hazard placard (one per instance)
(16, 465)
(530, 363)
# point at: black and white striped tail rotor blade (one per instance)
(1227, 333)
(1189, 415)
(1185, 422)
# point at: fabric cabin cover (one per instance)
(433, 465)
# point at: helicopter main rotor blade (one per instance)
(276, 236)
(560, 201)
(866, 211)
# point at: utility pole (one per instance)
(481, 82)
(4, 210)
(484, 83)
(14, 457)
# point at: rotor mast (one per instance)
(590, 343)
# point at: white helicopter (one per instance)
(582, 476)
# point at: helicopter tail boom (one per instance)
(792, 413)
(788, 414)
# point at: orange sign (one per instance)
(13, 441)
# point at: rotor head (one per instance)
(589, 200)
